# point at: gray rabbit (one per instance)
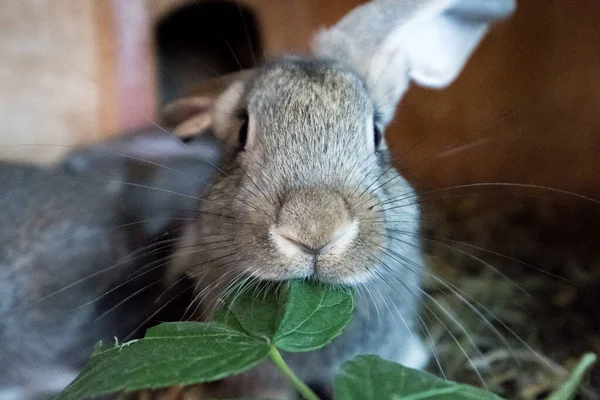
(307, 188)
(83, 248)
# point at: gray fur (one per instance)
(50, 238)
(105, 219)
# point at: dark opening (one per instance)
(203, 40)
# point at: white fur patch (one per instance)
(286, 246)
(342, 239)
(11, 393)
(55, 381)
(416, 357)
(40, 384)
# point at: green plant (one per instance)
(254, 326)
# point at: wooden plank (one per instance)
(526, 109)
(128, 92)
(48, 78)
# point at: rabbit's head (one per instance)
(307, 188)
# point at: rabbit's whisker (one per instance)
(122, 262)
(466, 299)
(404, 261)
(129, 297)
(181, 293)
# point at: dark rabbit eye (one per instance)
(377, 136)
(187, 139)
(243, 133)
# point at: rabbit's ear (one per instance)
(195, 111)
(393, 42)
(188, 115)
(152, 145)
(154, 174)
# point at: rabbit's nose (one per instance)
(314, 222)
(289, 245)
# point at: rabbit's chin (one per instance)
(316, 275)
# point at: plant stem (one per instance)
(304, 390)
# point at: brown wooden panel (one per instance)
(76, 71)
(289, 25)
(126, 64)
(526, 109)
(48, 77)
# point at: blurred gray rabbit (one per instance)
(157, 174)
(308, 189)
(82, 251)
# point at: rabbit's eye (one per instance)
(187, 139)
(243, 133)
(377, 136)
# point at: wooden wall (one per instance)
(48, 82)
(526, 109)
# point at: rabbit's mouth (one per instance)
(316, 272)
(326, 265)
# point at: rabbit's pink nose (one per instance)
(314, 221)
(289, 244)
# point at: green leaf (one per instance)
(170, 354)
(256, 311)
(369, 377)
(569, 388)
(314, 316)
(296, 316)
